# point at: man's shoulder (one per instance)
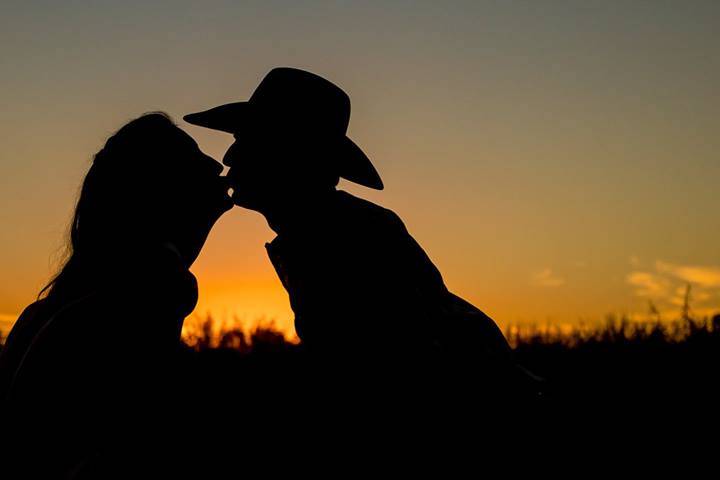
(360, 210)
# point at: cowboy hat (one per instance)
(304, 103)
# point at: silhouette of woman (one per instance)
(68, 372)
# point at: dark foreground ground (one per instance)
(619, 363)
(653, 362)
(246, 396)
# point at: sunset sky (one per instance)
(557, 160)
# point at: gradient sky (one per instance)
(558, 160)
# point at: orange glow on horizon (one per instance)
(249, 305)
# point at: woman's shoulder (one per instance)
(84, 320)
(29, 340)
(70, 324)
(29, 323)
(33, 312)
(45, 316)
(56, 325)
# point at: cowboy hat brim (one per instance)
(228, 118)
(354, 165)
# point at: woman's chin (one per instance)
(227, 203)
(224, 201)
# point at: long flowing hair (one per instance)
(119, 206)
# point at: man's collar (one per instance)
(302, 215)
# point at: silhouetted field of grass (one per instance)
(614, 361)
(620, 359)
(653, 360)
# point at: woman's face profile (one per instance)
(197, 194)
(195, 174)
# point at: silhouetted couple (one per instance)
(98, 351)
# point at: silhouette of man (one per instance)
(359, 284)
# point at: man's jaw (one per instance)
(241, 201)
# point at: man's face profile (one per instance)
(267, 166)
(256, 169)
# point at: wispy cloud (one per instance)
(666, 285)
(648, 284)
(547, 278)
(703, 276)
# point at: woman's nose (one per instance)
(215, 166)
